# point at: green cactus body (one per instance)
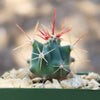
(58, 60)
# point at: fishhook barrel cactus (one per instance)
(51, 60)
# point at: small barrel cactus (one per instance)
(51, 60)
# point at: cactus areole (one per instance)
(51, 60)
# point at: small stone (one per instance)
(49, 85)
(56, 84)
(38, 85)
(92, 75)
(66, 84)
(47, 82)
(74, 82)
(84, 82)
(37, 79)
(83, 76)
(96, 88)
(94, 82)
(5, 75)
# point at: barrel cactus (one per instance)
(51, 60)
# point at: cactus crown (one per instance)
(51, 60)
